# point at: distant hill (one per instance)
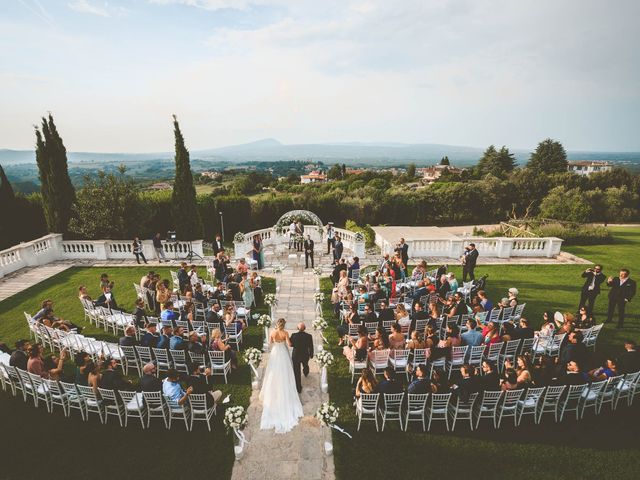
(351, 153)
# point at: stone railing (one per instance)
(501, 247)
(51, 248)
(270, 236)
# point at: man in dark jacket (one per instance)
(469, 260)
(389, 384)
(150, 338)
(149, 382)
(622, 290)
(629, 361)
(591, 288)
(302, 351)
(20, 355)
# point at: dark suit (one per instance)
(127, 341)
(338, 248)
(102, 301)
(619, 296)
(19, 360)
(403, 250)
(470, 257)
(150, 383)
(335, 275)
(629, 361)
(302, 351)
(389, 386)
(308, 252)
(588, 296)
(490, 381)
(112, 380)
(419, 386)
(149, 340)
(217, 247)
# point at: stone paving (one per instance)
(27, 277)
(299, 453)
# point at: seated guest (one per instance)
(419, 292)
(198, 295)
(396, 338)
(573, 350)
(198, 383)
(573, 374)
(107, 299)
(444, 287)
(418, 313)
(467, 385)
(380, 341)
(421, 383)
(367, 382)
(415, 342)
(111, 378)
(219, 345)
(195, 344)
(165, 338)
(151, 337)
(168, 315)
(353, 266)
(47, 317)
(610, 369)
(139, 314)
(491, 334)
(20, 356)
(389, 384)
(548, 326)
(523, 369)
(357, 349)
(472, 337)
(350, 318)
(510, 381)
(218, 293)
(584, 319)
(489, 380)
(484, 301)
(129, 339)
(177, 341)
(149, 382)
(453, 282)
(83, 294)
(513, 296)
(629, 361)
(81, 361)
(369, 315)
(402, 316)
(523, 330)
(173, 391)
(385, 314)
(51, 368)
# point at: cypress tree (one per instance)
(7, 212)
(549, 157)
(186, 217)
(57, 190)
(445, 161)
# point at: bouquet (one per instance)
(253, 356)
(270, 299)
(277, 269)
(318, 297)
(324, 358)
(327, 413)
(317, 271)
(239, 237)
(264, 320)
(320, 324)
(235, 417)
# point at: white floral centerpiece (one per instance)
(277, 269)
(270, 299)
(328, 414)
(264, 320)
(235, 418)
(324, 358)
(317, 271)
(253, 356)
(320, 324)
(239, 237)
(318, 297)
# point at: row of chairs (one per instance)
(496, 405)
(118, 403)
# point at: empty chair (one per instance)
(27, 387)
(371, 327)
(134, 406)
(549, 402)
(367, 408)
(591, 337)
(391, 408)
(179, 360)
(163, 362)
(8, 380)
(526, 346)
(458, 355)
(399, 359)
(112, 405)
(130, 360)
(487, 407)
(460, 409)
(356, 366)
(41, 390)
(234, 334)
(156, 406)
(219, 366)
(74, 399)
(91, 401)
(474, 355)
(144, 355)
(416, 405)
(57, 395)
(628, 388)
(200, 410)
(508, 406)
(591, 397)
(508, 353)
(609, 391)
(379, 360)
(493, 352)
(420, 356)
(528, 405)
(572, 400)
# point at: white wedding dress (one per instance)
(281, 407)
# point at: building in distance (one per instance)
(587, 167)
(313, 177)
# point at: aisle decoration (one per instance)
(235, 419)
(253, 357)
(320, 324)
(265, 321)
(328, 414)
(324, 358)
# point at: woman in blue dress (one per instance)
(257, 253)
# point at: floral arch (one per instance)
(307, 217)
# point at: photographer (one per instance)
(594, 277)
(469, 259)
(402, 249)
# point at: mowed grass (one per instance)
(37, 442)
(600, 447)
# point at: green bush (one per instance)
(576, 235)
(367, 231)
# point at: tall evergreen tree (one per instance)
(487, 161)
(549, 157)
(7, 212)
(445, 161)
(186, 217)
(57, 190)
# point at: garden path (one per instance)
(299, 453)
(27, 277)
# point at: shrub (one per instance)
(367, 231)
(576, 234)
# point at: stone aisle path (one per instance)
(298, 454)
(27, 277)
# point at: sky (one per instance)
(460, 72)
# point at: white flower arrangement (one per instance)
(235, 417)
(327, 413)
(320, 324)
(239, 237)
(277, 269)
(264, 320)
(324, 358)
(253, 356)
(359, 237)
(270, 299)
(317, 271)
(318, 297)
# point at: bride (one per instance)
(281, 405)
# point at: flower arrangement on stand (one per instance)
(318, 298)
(253, 357)
(239, 237)
(324, 358)
(264, 321)
(320, 324)
(235, 419)
(271, 301)
(328, 414)
(317, 271)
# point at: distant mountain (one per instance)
(351, 153)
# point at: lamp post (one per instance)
(221, 225)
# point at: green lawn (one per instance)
(596, 447)
(133, 452)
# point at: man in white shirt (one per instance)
(331, 237)
(292, 233)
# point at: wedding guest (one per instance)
(20, 356)
(415, 342)
(510, 382)
(164, 341)
(177, 341)
(389, 384)
(219, 345)
(338, 248)
(484, 301)
(548, 327)
(396, 338)
(199, 384)
(574, 375)
(157, 246)
(172, 389)
(610, 369)
(357, 350)
(591, 288)
(523, 330)
(149, 382)
(467, 385)
(629, 361)
(367, 382)
(513, 296)
(83, 294)
(584, 320)
(51, 368)
(139, 314)
(136, 248)
(107, 299)
(257, 251)
(421, 384)
(129, 339)
(111, 377)
(622, 290)
(469, 260)
(150, 338)
(472, 337)
(489, 380)
(380, 341)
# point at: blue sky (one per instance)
(465, 72)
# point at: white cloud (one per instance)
(84, 6)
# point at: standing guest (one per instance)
(217, 245)
(308, 251)
(338, 248)
(183, 277)
(146, 279)
(402, 249)
(299, 235)
(139, 314)
(591, 288)
(129, 339)
(150, 338)
(246, 288)
(20, 356)
(301, 353)
(629, 361)
(469, 259)
(622, 290)
(136, 247)
(257, 251)
(331, 237)
(105, 282)
(157, 245)
(149, 382)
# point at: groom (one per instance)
(302, 351)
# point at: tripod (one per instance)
(191, 254)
